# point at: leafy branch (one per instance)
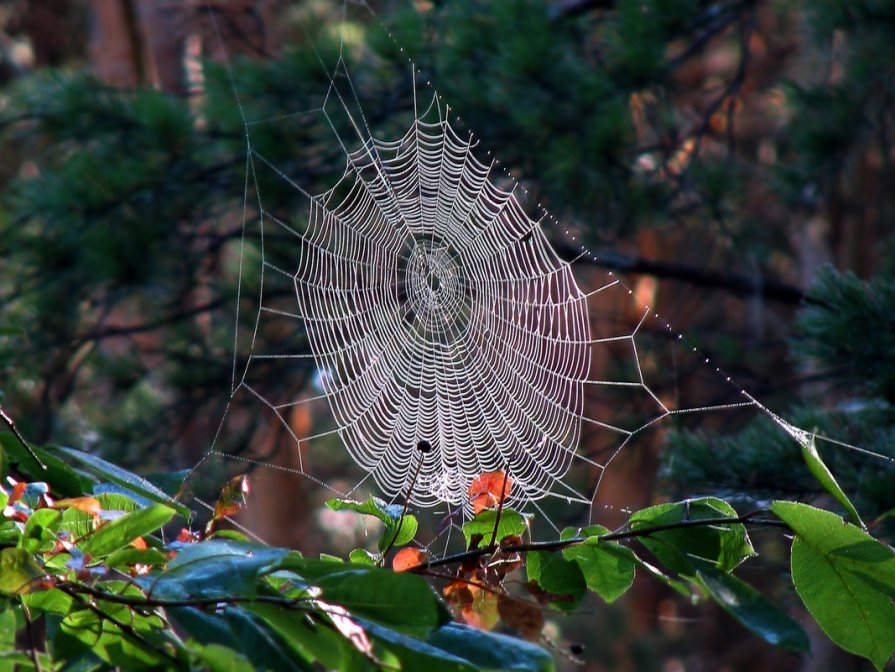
(97, 567)
(750, 518)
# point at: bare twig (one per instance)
(423, 447)
(503, 494)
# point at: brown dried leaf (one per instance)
(525, 618)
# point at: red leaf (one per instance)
(408, 558)
(489, 490)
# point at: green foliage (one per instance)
(759, 461)
(400, 527)
(237, 604)
(273, 608)
(753, 610)
(483, 526)
(561, 579)
(608, 568)
(846, 579)
(689, 548)
(826, 331)
(820, 471)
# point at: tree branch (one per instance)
(558, 544)
(738, 284)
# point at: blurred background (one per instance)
(733, 160)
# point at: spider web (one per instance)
(444, 325)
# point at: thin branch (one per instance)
(124, 627)
(576, 7)
(74, 589)
(738, 284)
(503, 494)
(557, 544)
(167, 320)
(15, 430)
(416, 473)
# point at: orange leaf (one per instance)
(139, 543)
(489, 490)
(17, 491)
(89, 505)
(187, 537)
(408, 558)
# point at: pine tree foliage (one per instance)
(844, 336)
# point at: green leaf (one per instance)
(169, 482)
(40, 531)
(84, 631)
(9, 617)
(754, 610)
(237, 629)
(126, 479)
(510, 523)
(52, 601)
(678, 586)
(559, 577)
(129, 556)
(18, 571)
(220, 658)
(63, 480)
(689, 548)
(122, 531)
(491, 651)
(846, 579)
(413, 653)
(316, 641)
(608, 567)
(820, 471)
(80, 523)
(213, 568)
(361, 556)
(400, 528)
(405, 602)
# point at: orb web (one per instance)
(408, 276)
(440, 312)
